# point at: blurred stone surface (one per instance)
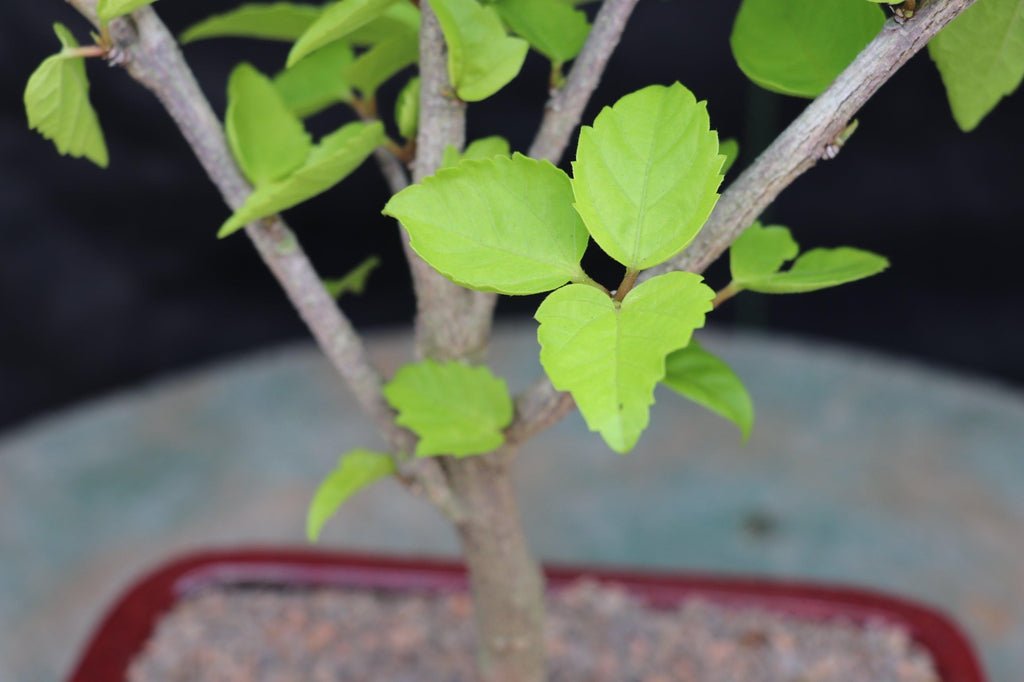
(861, 469)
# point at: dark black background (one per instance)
(109, 277)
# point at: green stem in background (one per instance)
(725, 294)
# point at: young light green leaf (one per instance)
(482, 58)
(284, 21)
(317, 82)
(330, 162)
(730, 149)
(335, 22)
(760, 251)
(484, 148)
(696, 374)
(610, 356)
(798, 47)
(407, 109)
(354, 281)
(556, 30)
(267, 139)
(646, 174)
(503, 224)
(356, 470)
(111, 9)
(981, 58)
(401, 18)
(382, 61)
(819, 269)
(57, 104)
(455, 409)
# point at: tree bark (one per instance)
(505, 580)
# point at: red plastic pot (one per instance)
(129, 623)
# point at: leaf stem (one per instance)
(627, 284)
(85, 51)
(587, 279)
(725, 294)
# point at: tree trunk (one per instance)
(506, 582)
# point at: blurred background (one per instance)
(113, 276)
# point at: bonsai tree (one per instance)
(479, 221)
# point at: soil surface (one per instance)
(595, 634)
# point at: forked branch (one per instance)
(795, 151)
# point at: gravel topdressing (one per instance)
(595, 634)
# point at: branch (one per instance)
(451, 322)
(803, 143)
(565, 108)
(152, 57)
(795, 151)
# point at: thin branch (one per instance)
(804, 142)
(795, 151)
(565, 108)
(451, 322)
(152, 57)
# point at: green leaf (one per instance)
(503, 224)
(482, 58)
(317, 82)
(111, 9)
(760, 251)
(646, 174)
(284, 21)
(267, 139)
(57, 104)
(981, 58)
(356, 470)
(820, 269)
(382, 61)
(798, 47)
(484, 148)
(337, 155)
(335, 22)
(401, 18)
(696, 374)
(354, 281)
(556, 30)
(730, 149)
(407, 109)
(455, 409)
(611, 356)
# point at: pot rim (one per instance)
(131, 619)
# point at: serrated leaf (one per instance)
(483, 148)
(356, 470)
(760, 251)
(58, 107)
(335, 22)
(374, 67)
(697, 375)
(502, 224)
(317, 82)
(267, 139)
(284, 21)
(482, 57)
(354, 281)
(111, 9)
(981, 58)
(401, 18)
(455, 409)
(610, 356)
(330, 162)
(730, 149)
(407, 109)
(820, 269)
(798, 47)
(646, 174)
(556, 30)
